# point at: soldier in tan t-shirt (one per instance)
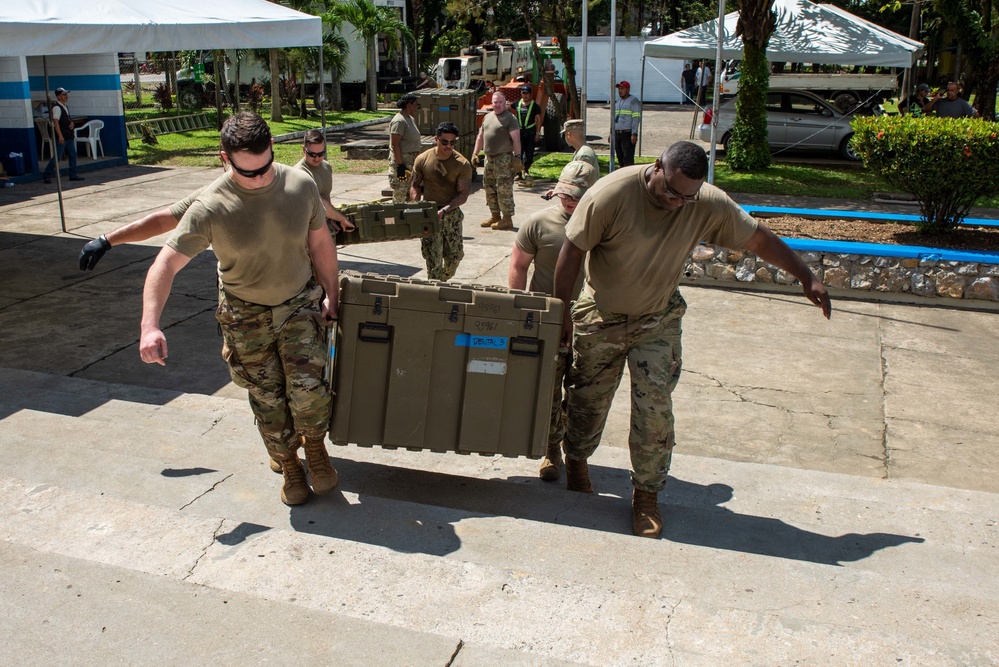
(636, 228)
(443, 175)
(404, 146)
(266, 224)
(314, 163)
(538, 243)
(499, 138)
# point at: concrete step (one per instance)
(759, 564)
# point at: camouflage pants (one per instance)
(444, 251)
(497, 181)
(277, 353)
(400, 188)
(602, 342)
(556, 424)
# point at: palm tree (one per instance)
(335, 50)
(748, 148)
(370, 22)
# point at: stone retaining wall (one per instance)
(903, 275)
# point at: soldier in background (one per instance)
(499, 138)
(314, 163)
(267, 227)
(539, 241)
(404, 146)
(443, 175)
(575, 136)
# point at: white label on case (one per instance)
(487, 367)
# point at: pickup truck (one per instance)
(845, 91)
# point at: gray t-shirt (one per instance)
(958, 108)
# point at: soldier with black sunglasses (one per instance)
(266, 225)
(315, 164)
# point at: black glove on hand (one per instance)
(92, 253)
(400, 171)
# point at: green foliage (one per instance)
(748, 149)
(946, 163)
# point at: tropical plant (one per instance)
(946, 163)
(748, 148)
(370, 22)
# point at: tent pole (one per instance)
(582, 95)
(641, 96)
(613, 74)
(55, 144)
(322, 93)
(716, 93)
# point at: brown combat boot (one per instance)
(493, 219)
(551, 465)
(324, 476)
(646, 520)
(295, 490)
(506, 222)
(577, 475)
(275, 464)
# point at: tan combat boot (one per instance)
(551, 465)
(324, 475)
(493, 219)
(577, 475)
(295, 490)
(506, 222)
(646, 520)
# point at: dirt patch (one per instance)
(891, 233)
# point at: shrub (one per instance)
(163, 96)
(946, 163)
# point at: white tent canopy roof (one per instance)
(806, 33)
(53, 27)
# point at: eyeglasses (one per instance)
(565, 197)
(255, 172)
(311, 154)
(673, 194)
(445, 142)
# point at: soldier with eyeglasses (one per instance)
(278, 294)
(636, 229)
(314, 163)
(443, 175)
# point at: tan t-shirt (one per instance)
(259, 236)
(542, 236)
(637, 250)
(440, 177)
(407, 130)
(322, 175)
(178, 209)
(496, 132)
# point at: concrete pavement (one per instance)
(833, 498)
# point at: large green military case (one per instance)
(446, 367)
(439, 105)
(381, 221)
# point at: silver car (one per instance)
(796, 119)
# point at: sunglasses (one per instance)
(445, 142)
(254, 173)
(311, 154)
(673, 194)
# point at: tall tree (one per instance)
(748, 149)
(370, 22)
(972, 23)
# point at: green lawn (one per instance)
(200, 148)
(778, 179)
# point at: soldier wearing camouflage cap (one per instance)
(538, 242)
(575, 136)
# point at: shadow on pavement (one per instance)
(434, 502)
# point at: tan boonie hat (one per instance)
(572, 124)
(575, 178)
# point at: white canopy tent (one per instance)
(805, 33)
(51, 27)
(61, 27)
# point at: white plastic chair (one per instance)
(91, 137)
(43, 128)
